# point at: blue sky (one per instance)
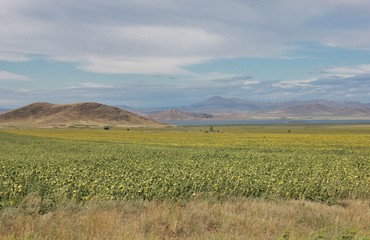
(147, 53)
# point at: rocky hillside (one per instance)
(73, 115)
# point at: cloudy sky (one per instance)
(146, 53)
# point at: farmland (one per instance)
(321, 164)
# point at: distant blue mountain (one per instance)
(219, 105)
(311, 107)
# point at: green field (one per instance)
(316, 163)
(220, 182)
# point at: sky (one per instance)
(163, 53)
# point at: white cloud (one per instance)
(167, 39)
(5, 75)
(344, 72)
(294, 83)
(166, 36)
(219, 77)
(137, 65)
(93, 85)
(251, 82)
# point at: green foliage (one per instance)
(259, 165)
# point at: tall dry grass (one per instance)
(196, 219)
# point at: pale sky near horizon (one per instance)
(148, 53)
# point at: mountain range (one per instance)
(92, 114)
(236, 108)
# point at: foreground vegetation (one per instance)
(46, 170)
(236, 218)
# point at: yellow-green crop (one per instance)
(315, 163)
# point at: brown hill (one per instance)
(69, 115)
(175, 114)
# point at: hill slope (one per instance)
(79, 114)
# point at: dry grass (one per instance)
(196, 219)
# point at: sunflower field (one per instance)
(316, 163)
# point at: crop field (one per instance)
(316, 163)
(219, 182)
